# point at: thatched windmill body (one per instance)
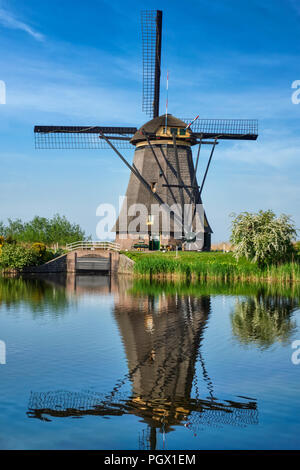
(163, 172)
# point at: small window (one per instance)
(182, 131)
(173, 130)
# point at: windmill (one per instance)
(163, 172)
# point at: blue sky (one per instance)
(79, 63)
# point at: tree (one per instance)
(61, 231)
(2, 229)
(14, 229)
(40, 229)
(263, 237)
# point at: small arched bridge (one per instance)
(88, 257)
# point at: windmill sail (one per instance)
(151, 39)
(82, 137)
(230, 129)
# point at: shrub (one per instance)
(42, 252)
(262, 237)
(39, 248)
(59, 252)
(17, 257)
(10, 240)
(297, 248)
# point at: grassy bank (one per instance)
(214, 266)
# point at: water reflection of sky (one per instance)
(142, 365)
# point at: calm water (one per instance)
(93, 363)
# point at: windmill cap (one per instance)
(151, 127)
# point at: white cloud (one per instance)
(9, 21)
(273, 153)
(74, 103)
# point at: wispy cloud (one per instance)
(64, 92)
(8, 20)
(274, 154)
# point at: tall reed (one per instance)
(216, 266)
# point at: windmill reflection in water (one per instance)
(162, 337)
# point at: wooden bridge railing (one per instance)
(92, 245)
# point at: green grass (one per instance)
(216, 266)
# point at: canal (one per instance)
(91, 362)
